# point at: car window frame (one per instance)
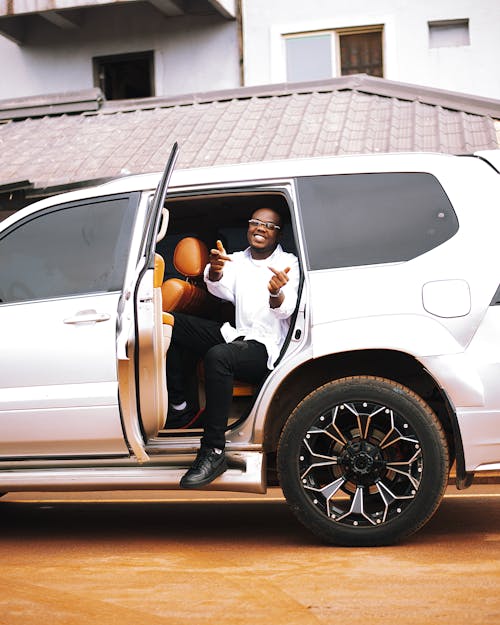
(133, 204)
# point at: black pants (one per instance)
(243, 360)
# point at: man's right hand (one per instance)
(217, 259)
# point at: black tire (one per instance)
(363, 461)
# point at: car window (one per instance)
(364, 219)
(69, 250)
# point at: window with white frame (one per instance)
(449, 33)
(308, 57)
(324, 54)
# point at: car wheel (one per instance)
(363, 461)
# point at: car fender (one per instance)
(424, 338)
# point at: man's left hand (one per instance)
(278, 280)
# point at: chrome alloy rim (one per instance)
(361, 464)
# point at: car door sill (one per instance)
(246, 473)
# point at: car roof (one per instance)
(255, 171)
(279, 169)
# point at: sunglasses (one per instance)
(268, 224)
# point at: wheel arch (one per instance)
(390, 364)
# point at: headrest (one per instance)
(190, 257)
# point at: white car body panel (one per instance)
(480, 427)
(480, 430)
(67, 403)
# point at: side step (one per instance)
(246, 474)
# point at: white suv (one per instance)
(390, 373)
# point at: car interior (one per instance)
(195, 224)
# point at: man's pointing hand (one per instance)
(217, 259)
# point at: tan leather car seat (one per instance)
(188, 294)
(167, 318)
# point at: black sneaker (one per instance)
(184, 419)
(209, 464)
(177, 419)
(198, 421)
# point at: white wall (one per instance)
(471, 69)
(191, 53)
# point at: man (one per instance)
(262, 283)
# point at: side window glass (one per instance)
(68, 250)
(365, 219)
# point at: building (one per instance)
(94, 89)
(446, 44)
(141, 48)
(127, 48)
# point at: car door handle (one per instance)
(87, 316)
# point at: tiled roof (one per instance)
(356, 114)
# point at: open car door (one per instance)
(63, 271)
(144, 336)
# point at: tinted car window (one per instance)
(364, 219)
(74, 249)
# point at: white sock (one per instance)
(179, 406)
